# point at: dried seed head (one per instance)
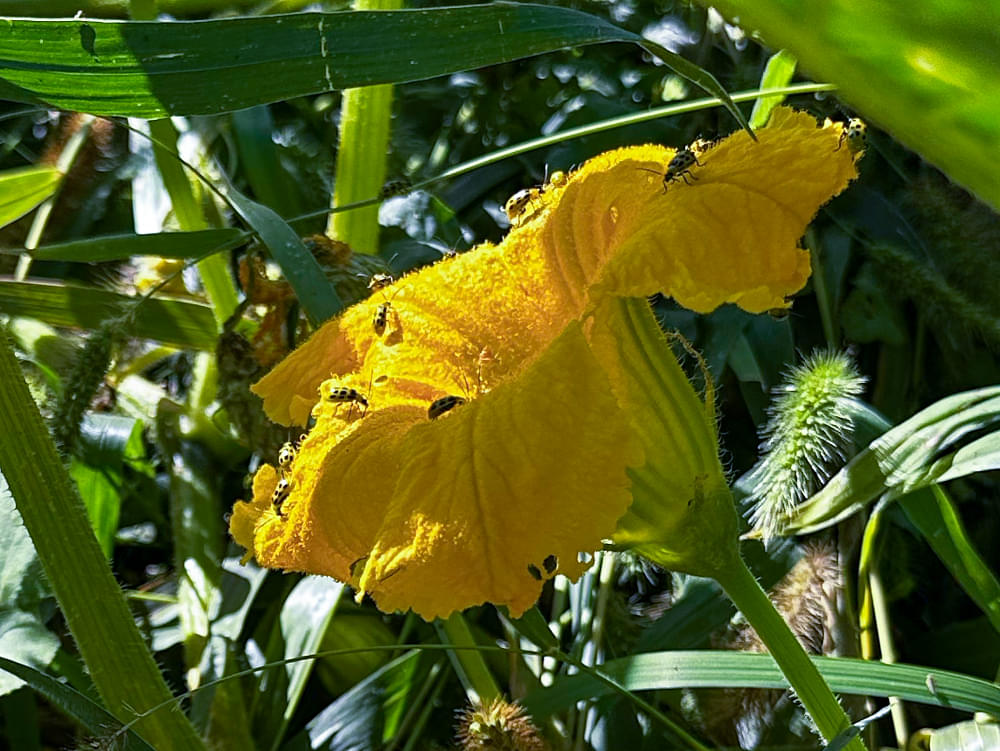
(497, 726)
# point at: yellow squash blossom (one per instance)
(566, 404)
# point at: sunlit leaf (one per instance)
(708, 669)
(179, 322)
(21, 190)
(929, 78)
(188, 68)
(932, 446)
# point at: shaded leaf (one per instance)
(936, 517)
(89, 714)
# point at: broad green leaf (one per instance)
(21, 190)
(928, 77)
(925, 449)
(302, 622)
(161, 244)
(778, 72)
(121, 8)
(22, 583)
(23, 635)
(24, 638)
(720, 669)
(178, 322)
(91, 716)
(149, 69)
(105, 442)
(936, 518)
(197, 533)
(354, 720)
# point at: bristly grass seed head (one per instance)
(807, 436)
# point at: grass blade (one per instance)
(146, 69)
(718, 669)
(177, 322)
(92, 716)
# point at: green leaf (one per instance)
(177, 322)
(314, 291)
(107, 637)
(931, 446)
(149, 69)
(93, 717)
(929, 77)
(353, 720)
(778, 72)
(720, 669)
(935, 516)
(105, 442)
(23, 635)
(163, 244)
(533, 626)
(21, 190)
(304, 617)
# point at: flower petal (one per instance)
(731, 235)
(530, 475)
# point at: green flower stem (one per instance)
(120, 665)
(214, 269)
(365, 118)
(810, 687)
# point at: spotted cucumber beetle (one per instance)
(518, 204)
(678, 168)
(396, 187)
(280, 494)
(286, 455)
(378, 281)
(345, 395)
(525, 203)
(855, 135)
(444, 404)
(381, 318)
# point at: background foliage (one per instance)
(148, 401)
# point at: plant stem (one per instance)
(810, 686)
(120, 665)
(468, 662)
(365, 117)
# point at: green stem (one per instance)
(810, 686)
(468, 661)
(213, 270)
(365, 119)
(96, 612)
